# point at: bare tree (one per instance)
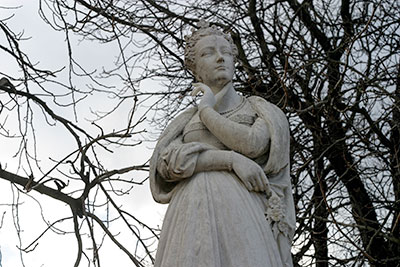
(331, 65)
(41, 101)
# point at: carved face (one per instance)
(214, 61)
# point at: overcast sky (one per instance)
(47, 48)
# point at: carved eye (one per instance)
(205, 53)
(226, 51)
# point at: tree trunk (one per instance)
(395, 166)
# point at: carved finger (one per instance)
(247, 184)
(253, 183)
(196, 90)
(193, 148)
(256, 188)
(264, 181)
(260, 184)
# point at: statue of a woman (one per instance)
(223, 167)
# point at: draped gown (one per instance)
(212, 219)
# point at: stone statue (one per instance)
(223, 167)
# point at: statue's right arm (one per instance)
(179, 160)
(182, 162)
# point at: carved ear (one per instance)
(198, 78)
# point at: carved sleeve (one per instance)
(178, 160)
(250, 141)
(181, 160)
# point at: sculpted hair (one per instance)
(203, 31)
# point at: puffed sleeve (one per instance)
(178, 160)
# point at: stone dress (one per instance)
(212, 219)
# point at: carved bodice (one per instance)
(196, 131)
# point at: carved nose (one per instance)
(220, 58)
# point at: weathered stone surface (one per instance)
(223, 167)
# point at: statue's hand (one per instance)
(250, 173)
(208, 99)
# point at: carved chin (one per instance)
(224, 77)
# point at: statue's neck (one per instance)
(227, 99)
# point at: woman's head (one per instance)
(204, 31)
